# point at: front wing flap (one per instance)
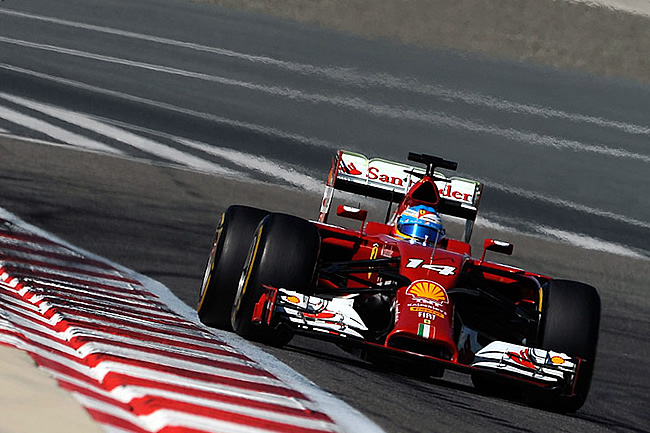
(334, 316)
(546, 367)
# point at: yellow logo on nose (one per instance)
(428, 290)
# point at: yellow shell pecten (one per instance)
(428, 290)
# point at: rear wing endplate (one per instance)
(387, 180)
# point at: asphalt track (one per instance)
(159, 221)
(563, 152)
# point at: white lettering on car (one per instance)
(440, 269)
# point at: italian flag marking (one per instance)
(424, 330)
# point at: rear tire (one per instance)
(569, 324)
(284, 254)
(232, 240)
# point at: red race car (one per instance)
(403, 293)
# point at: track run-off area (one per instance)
(140, 122)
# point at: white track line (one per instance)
(571, 238)
(354, 77)
(55, 132)
(638, 7)
(268, 167)
(257, 163)
(311, 184)
(566, 204)
(101, 126)
(438, 119)
(267, 131)
(136, 141)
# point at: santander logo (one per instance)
(349, 169)
(394, 179)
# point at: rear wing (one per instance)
(387, 180)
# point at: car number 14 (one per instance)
(441, 269)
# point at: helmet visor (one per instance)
(419, 232)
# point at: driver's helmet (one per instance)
(420, 224)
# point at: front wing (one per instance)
(336, 320)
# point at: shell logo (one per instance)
(557, 360)
(428, 290)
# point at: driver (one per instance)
(420, 224)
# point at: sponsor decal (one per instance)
(387, 251)
(441, 269)
(349, 168)
(447, 192)
(430, 315)
(423, 289)
(558, 360)
(323, 315)
(391, 175)
(427, 306)
(373, 255)
(522, 358)
(427, 313)
(425, 330)
(293, 299)
(420, 309)
(375, 174)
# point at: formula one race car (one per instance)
(402, 292)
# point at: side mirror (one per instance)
(352, 213)
(496, 246)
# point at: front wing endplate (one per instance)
(553, 369)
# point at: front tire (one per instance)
(569, 323)
(284, 255)
(230, 246)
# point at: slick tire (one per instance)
(230, 247)
(284, 254)
(570, 319)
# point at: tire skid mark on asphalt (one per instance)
(261, 129)
(566, 204)
(354, 77)
(259, 164)
(514, 225)
(294, 177)
(433, 118)
(134, 365)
